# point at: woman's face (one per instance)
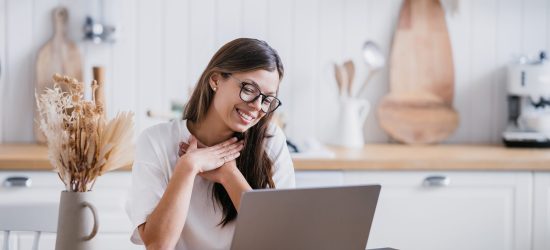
(235, 113)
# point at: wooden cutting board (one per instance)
(58, 55)
(419, 109)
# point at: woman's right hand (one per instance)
(209, 158)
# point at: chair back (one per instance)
(31, 217)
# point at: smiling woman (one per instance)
(188, 175)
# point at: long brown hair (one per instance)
(239, 55)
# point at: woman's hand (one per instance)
(228, 175)
(223, 173)
(210, 158)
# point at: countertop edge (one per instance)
(373, 157)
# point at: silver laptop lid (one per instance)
(309, 218)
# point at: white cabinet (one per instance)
(475, 210)
(109, 197)
(541, 210)
(306, 179)
(446, 210)
(105, 241)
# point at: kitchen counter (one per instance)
(371, 157)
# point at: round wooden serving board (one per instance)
(419, 109)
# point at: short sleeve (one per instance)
(149, 180)
(283, 169)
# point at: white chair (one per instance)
(30, 217)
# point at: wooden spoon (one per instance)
(350, 70)
(341, 78)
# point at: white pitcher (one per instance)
(349, 126)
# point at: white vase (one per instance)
(77, 223)
(349, 126)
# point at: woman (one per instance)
(191, 201)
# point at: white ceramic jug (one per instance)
(349, 126)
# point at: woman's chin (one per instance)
(241, 128)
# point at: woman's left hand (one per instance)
(221, 174)
(218, 175)
(228, 175)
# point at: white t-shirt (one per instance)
(156, 156)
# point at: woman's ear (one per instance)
(214, 80)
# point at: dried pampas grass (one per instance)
(82, 145)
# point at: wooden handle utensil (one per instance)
(58, 55)
(349, 66)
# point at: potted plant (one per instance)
(82, 145)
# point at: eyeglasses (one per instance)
(250, 93)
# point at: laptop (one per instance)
(306, 218)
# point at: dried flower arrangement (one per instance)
(82, 145)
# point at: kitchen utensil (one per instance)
(373, 56)
(419, 109)
(416, 118)
(351, 117)
(341, 78)
(58, 55)
(349, 66)
(98, 32)
(375, 60)
(95, 29)
(99, 77)
(421, 58)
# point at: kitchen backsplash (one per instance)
(162, 46)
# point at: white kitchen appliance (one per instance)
(528, 103)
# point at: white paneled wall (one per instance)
(163, 46)
(2, 63)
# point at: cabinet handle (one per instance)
(17, 181)
(437, 181)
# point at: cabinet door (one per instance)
(105, 241)
(306, 179)
(541, 218)
(108, 195)
(458, 210)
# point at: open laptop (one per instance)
(306, 218)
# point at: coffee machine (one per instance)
(528, 103)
